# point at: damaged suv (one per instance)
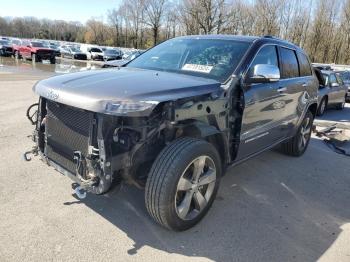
(172, 120)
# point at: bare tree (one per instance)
(154, 14)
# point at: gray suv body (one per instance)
(172, 120)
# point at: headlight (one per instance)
(125, 107)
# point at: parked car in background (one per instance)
(5, 48)
(72, 52)
(95, 53)
(331, 92)
(122, 62)
(16, 44)
(175, 118)
(345, 75)
(36, 51)
(54, 47)
(111, 54)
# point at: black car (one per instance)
(122, 62)
(72, 52)
(172, 120)
(5, 48)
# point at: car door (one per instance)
(342, 88)
(333, 95)
(26, 49)
(264, 106)
(296, 78)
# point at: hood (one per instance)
(103, 90)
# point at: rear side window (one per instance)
(304, 65)
(289, 63)
(339, 79)
(266, 55)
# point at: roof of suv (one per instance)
(249, 39)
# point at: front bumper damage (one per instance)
(95, 153)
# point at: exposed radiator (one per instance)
(67, 131)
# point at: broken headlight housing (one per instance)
(125, 107)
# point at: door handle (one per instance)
(282, 89)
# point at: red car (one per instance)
(36, 51)
(16, 43)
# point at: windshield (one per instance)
(4, 42)
(346, 76)
(210, 58)
(96, 50)
(16, 42)
(74, 49)
(111, 51)
(37, 44)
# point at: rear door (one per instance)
(293, 86)
(264, 106)
(342, 88)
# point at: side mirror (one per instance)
(263, 73)
(334, 85)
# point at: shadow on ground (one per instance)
(333, 114)
(271, 208)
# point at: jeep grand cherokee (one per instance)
(172, 120)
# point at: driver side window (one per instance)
(266, 55)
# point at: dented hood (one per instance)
(97, 90)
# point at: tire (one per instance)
(172, 181)
(322, 107)
(53, 60)
(340, 106)
(296, 146)
(34, 58)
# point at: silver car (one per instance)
(332, 91)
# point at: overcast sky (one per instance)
(69, 10)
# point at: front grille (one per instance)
(67, 131)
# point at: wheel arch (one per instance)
(313, 108)
(212, 135)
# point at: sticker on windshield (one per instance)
(197, 68)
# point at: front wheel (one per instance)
(182, 183)
(341, 106)
(34, 58)
(297, 145)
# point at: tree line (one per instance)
(321, 27)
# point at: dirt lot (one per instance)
(271, 208)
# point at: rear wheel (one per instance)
(53, 60)
(322, 107)
(182, 183)
(341, 106)
(297, 145)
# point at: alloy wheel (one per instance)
(305, 132)
(195, 188)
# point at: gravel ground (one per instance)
(270, 208)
